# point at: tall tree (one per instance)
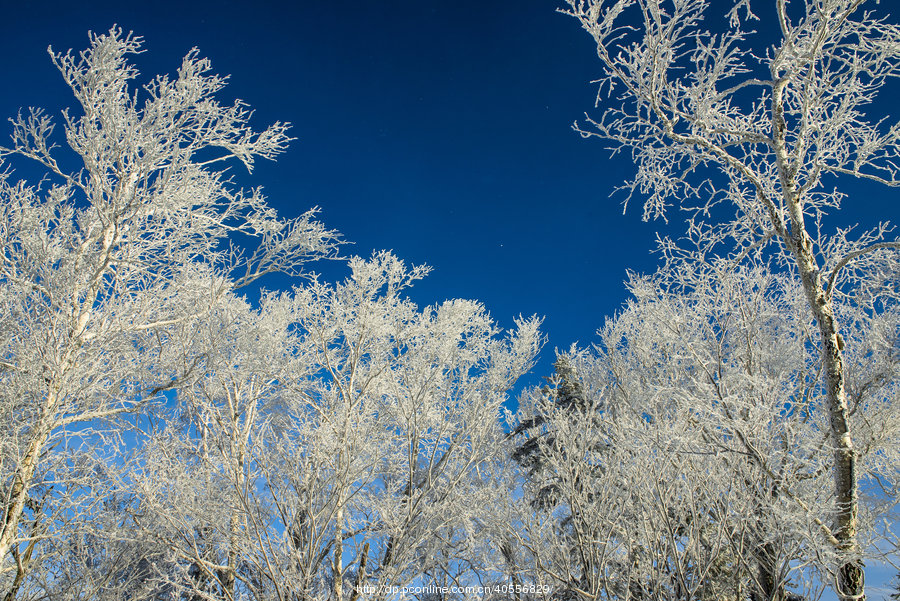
(133, 232)
(770, 128)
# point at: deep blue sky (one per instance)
(438, 129)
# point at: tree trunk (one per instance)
(19, 493)
(850, 581)
(228, 578)
(339, 554)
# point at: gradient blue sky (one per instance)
(438, 129)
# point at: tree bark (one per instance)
(849, 580)
(21, 483)
(339, 554)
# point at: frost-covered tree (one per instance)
(135, 231)
(402, 421)
(335, 438)
(195, 483)
(618, 505)
(706, 393)
(769, 127)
